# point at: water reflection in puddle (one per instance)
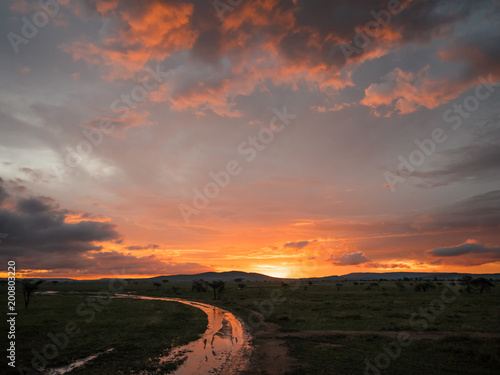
(224, 348)
(75, 364)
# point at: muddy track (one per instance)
(224, 348)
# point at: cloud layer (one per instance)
(117, 113)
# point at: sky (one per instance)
(294, 138)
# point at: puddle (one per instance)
(72, 366)
(224, 348)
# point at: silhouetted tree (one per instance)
(157, 285)
(238, 280)
(164, 281)
(217, 286)
(482, 284)
(199, 286)
(29, 286)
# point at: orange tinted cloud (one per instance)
(105, 6)
(259, 41)
(404, 92)
(160, 30)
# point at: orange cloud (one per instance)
(404, 92)
(162, 30)
(105, 6)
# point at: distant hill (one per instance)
(231, 275)
(210, 276)
(207, 276)
(409, 275)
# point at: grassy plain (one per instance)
(151, 327)
(137, 331)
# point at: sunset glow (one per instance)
(173, 137)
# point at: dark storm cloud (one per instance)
(38, 230)
(40, 239)
(35, 205)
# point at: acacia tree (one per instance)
(217, 285)
(199, 286)
(157, 285)
(482, 284)
(29, 286)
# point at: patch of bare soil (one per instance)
(270, 355)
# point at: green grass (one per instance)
(323, 307)
(343, 355)
(152, 326)
(138, 331)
